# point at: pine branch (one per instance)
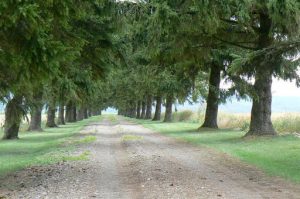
(235, 44)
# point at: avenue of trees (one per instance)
(76, 58)
(53, 55)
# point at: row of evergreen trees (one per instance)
(84, 56)
(180, 50)
(54, 54)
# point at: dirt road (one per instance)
(129, 161)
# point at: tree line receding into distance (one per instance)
(76, 58)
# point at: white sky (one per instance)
(285, 88)
(279, 88)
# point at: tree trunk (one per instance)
(61, 115)
(157, 113)
(143, 114)
(168, 113)
(138, 110)
(36, 113)
(13, 118)
(211, 114)
(85, 113)
(80, 114)
(261, 123)
(36, 120)
(51, 116)
(70, 112)
(126, 112)
(132, 110)
(74, 113)
(94, 113)
(149, 107)
(89, 113)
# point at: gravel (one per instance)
(152, 167)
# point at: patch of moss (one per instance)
(131, 138)
(86, 139)
(83, 156)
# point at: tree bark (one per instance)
(157, 113)
(74, 113)
(132, 110)
(80, 114)
(35, 120)
(96, 112)
(261, 123)
(13, 118)
(143, 114)
(36, 113)
(51, 116)
(61, 115)
(149, 107)
(138, 110)
(168, 113)
(126, 112)
(211, 114)
(85, 113)
(70, 112)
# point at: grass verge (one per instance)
(277, 156)
(40, 148)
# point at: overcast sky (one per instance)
(282, 88)
(279, 88)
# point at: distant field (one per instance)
(1, 119)
(283, 122)
(24, 124)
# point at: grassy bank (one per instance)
(38, 148)
(278, 156)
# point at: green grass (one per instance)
(278, 156)
(40, 148)
(82, 156)
(86, 139)
(112, 118)
(131, 138)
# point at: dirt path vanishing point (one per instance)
(129, 161)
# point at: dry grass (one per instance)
(2, 117)
(283, 122)
(25, 122)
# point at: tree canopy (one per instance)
(81, 57)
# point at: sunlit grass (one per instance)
(39, 148)
(86, 139)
